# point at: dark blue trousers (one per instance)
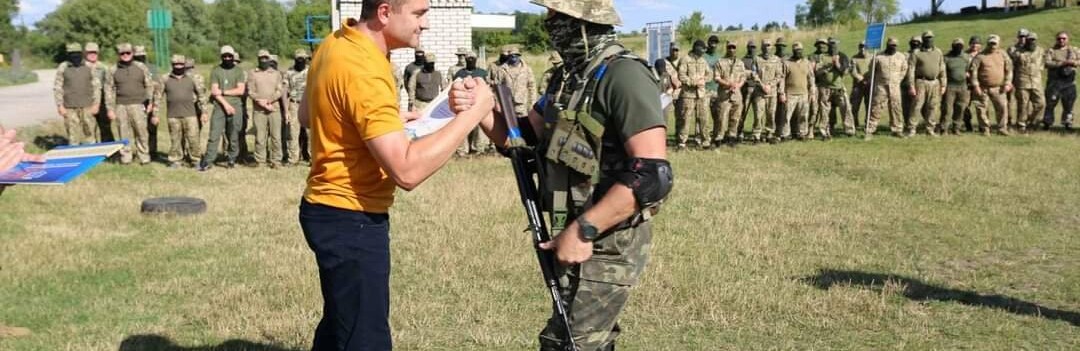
(352, 250)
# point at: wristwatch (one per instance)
(588, 230)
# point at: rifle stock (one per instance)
(525, 165)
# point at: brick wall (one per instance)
(450, 27)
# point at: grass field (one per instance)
(956, 243)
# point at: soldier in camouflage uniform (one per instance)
(671, 63)
(106, 129)
(139, 55)
(495, 69)
(77, 101)
(418, 62)
(711, 57)
(694, 72)
(890, 68)
(820, 77)
(926, 69)
(476, 142)
(991, 79)
(227, 86)
(264, 86)
(603, 255)
(128, 98)
(556, 64)
(832, 94)
(296, 79)
(974, 48)
(1031, 103)
(424, 85)
(203, 112)
(798, 86)
(750, 89)
(729, 74)
(519, 77)
(770, 78)
(907, 100)
(459, 65)
(860, 87)
(781, 107)
(184, 96)
(957, 93)
(1013, 52)
(1061, 61)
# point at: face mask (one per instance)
(797, 54)
(264, 65)
(75, 59)
(765, 51)
(139, 58)
(429, 66)
(123, 63)
(514, 60)
(957, 48)
(914, 46)
(832, 49)
(928, 43)
(751, 51)
(698, 50)
(779, 51)
(891, 49)
(992, 46)
(711, 47)
(299, 64)
(228, 63)
(470, 63)
(179, 71)
(420, 59)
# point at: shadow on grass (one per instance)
(47, 142)
(153, 342)
(917, 290)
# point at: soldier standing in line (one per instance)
(264, 87)
(798, 86)
(907, 99)
(974, 48)
(820, 77)
(203, 112)
(832, 94)
(860, 87)
(556, 64)
(781, 107)
(139, 55)
(926, 69)
(991, 78)
(424, 85)
(1031, 103)
(128, 98)
(890, 68)
(106, 129)
(520, 78)
(694, 72)
(296, 80)
(459, 65)
(184, 96)
(77, 101)
(1061, 62)
(227, 87)
(671, 63)
(750, 89)
(418, 62)
(476, 142)
(957, 93)
(1013, 52)
(770, 78)
(730, 74)
(711, 57)
(495, 69)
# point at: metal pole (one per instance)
(870, 95)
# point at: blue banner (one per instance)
(875, 36)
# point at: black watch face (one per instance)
(589, 232)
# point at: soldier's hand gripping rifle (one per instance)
(525, 163)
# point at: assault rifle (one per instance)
(526, 170)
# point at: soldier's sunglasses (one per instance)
(125, 53)
(1063, 38)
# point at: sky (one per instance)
(635, 13)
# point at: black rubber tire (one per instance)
(174, 205)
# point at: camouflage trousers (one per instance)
(925, 106)
(1030, 106)
(475, 142)
(131, 125)
(698, 109)
(797, 110)
(81, 126)
(955, 104)
(1066, 93)
(184, 138)
(998, 98)
(293, 127)
(267, 136)
(764, 108)
(597, 290)
(887, 102)
(726, 116)
(832, 103)
(860, 98)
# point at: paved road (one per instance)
(28, 104)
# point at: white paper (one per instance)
(435, 116)
(665, 100)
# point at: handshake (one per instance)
(471, 95)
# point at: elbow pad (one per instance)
(650, 179)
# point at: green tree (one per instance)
(530, 30)
(192, 33)
(693, 28)
(250, 25)
(878, 11)
(8, 34)
(297, 17)
(104, 22)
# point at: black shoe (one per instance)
(230, 164)
(205, 166)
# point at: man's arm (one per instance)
(110, 93)
(410, 163)
(58, 86)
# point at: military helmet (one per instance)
(1033, 36)
(751, 43)
(263, 53)
(300, 53)
(555, 58)
(1023, 32)
(73, 47)
(892, 41)
(123, 47)
(993, 39)
(928, 34)
(595, 11)
(91, 47)
(916, 39)
(178, 59)
(797, 46)
(140, 50)
(781, 42)
(228, 50)
(958, 41)
(820, 41)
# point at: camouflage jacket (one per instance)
(890, 69)
(926, 62)
(691, 71)
(1060, 75)
(521, 80)
(111, 86)
(770, 73)
(297, 82)
(860, 69)
(58, 85)
(1029, 68)
(728, 73)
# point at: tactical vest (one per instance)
(572, 143)
(427, 85)
(130, 85)
(78, 86)
(180, 96)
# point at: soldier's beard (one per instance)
(577, 40)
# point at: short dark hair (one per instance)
(368, 9)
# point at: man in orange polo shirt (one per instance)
(360, 154)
